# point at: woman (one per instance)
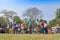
(45, 27)
(22, 27)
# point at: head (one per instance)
(45, 21)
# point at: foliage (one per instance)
(4, 25)
(58, 13)
(56, 20)
(1, 19)
(17, 19)
(52, 23)
(41, 20)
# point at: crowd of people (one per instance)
(33, 27)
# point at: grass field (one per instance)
(29, 36)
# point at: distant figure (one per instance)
(22, 28)
(10, 25)
(28, 30)
(38, 22)
(33, 29)
(42, 27)
(37, 29)
(30, 25)
(16, 26)
(45, 27)
(58, 28)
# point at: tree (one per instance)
(58, 13)
(52, 23)
(8, 14)
(25, 20)
(32, 13)
(17, 19)
(56, 20)
(1, 19)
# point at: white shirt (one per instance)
(17, 25)
(45, 25)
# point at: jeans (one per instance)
(58, 30)
(16, 30)
(42, 30)
(45, 30)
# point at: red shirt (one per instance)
(22, 25)
(42, 25)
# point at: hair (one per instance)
(45, 21)
(41, 20)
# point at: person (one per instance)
(19, 30)
(53, 30)
(37, 29)
(42, 27)
(28, 30)
(49, 30)
(10, 24)
(45, 27)
(22, 27)
(33, 29)
(16, 25)
(58, 29)
(38, 22)
(30, 25)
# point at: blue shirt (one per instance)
(30, 23)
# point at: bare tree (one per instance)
(32, 13)
(8, 14)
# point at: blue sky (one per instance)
(48, 7)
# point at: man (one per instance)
(30, 26)
(16, 26)
(30, 23)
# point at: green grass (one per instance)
(29, 36)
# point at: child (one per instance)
(37, 29)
